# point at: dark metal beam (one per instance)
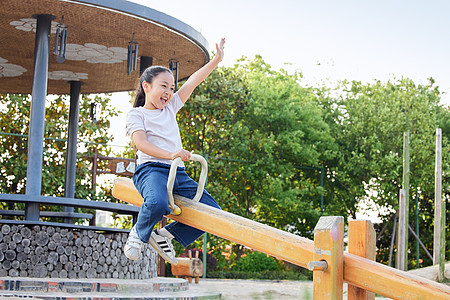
(50, 214)
(62, 225)
(146, 61)
(37, 114)
(71, 155)
(118, 208)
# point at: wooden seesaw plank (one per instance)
(358, 271)
(272, 241)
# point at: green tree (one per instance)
(368, 121)
(285, 133)
(14, 121)
(260, 128)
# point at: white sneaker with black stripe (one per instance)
(133, 246)
(163, 245)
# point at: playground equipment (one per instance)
(325, 255)
(188, 267)
(201, 183)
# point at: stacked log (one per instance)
(47, 251)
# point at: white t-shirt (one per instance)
(160, 126)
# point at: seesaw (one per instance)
(325, 255)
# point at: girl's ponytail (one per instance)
(139, 100)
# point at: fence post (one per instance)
(328, 258)
(361, 242)
(402, 233)
(403, 225)
(439, 211)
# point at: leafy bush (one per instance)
(255, 262)
(266, 275)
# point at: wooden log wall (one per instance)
(47, 251)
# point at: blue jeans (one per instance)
(150, 179)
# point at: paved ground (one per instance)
(266, 289)
(431, 272)
(259, 289)
(255, 289)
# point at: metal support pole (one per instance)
(37, 114)
(421, 244)
(321, 185)
(146, 61)
(403, 226)
(402, 247)
(391, 250)
(205, 235)
(439, 211)
(417, 232)
(71, 155)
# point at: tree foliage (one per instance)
(260, 129)
(267, 136)
(369, 121)
(14, 122)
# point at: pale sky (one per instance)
(327, 40)
(350, 39)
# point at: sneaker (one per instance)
(163, 245)
(133, 246)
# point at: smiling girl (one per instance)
(154, 130)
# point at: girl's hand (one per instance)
(184, 154)
(219, 48)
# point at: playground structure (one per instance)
(66, 47)
(188, 267)
(134, 15)
(325, 255)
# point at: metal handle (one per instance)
(201, 183)
(320, 265)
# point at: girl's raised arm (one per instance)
(195, 79)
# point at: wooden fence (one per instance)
(325, 255)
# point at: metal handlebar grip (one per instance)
(201, 184)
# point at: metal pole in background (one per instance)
(401, 263)
(417, 232)
(37, 114)
(403, 226)
(439, 211)
(71, 155)
(321, 184)
(391, 250)
(205, 235)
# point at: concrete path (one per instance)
(259, 289)
(283, 289)
(255, 289)
(431, 272)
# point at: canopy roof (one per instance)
(99, 32)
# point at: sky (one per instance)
(327, 40)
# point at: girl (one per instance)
(154, 130)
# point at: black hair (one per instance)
(148, 75)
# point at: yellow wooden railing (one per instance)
(325, 255)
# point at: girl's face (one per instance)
(159, 92)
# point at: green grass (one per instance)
(267, 275)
